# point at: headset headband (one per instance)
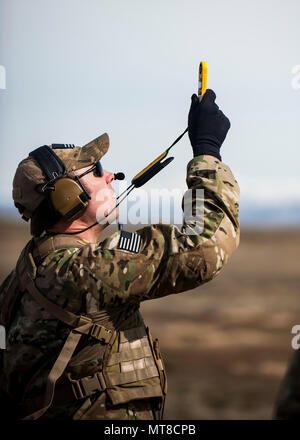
(67, 196)
(51, 165)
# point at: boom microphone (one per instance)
(119, 176)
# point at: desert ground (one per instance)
(226, 344)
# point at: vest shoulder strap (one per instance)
(50, 244)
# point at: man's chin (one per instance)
(112, 217)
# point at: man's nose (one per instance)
(109, 177)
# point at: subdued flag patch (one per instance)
(2, 338)
(129, 241)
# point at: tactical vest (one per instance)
(131, 367)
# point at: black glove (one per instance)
(207, 125)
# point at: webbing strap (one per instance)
(56, 242)
(88, 385)
(129, 355)
(131, 376)
(56, 372)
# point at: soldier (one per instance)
(77, 346)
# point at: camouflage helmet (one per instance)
(29, 177)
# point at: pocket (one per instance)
(86, 362)
(99, 410)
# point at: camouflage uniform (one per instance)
(107, 284)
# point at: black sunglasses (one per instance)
(97, 169)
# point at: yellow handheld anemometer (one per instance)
(154, 167)
(202, 85)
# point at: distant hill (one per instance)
(270, 215)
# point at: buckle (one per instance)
(97, 331)
(101, 333)
(88, 385)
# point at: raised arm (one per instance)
(171, 259)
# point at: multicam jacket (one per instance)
(99, 343)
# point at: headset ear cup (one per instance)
(68, 198)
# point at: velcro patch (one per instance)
(57, 146)
(129, 241)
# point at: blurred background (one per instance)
(73, 69)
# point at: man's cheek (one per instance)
(104, 202)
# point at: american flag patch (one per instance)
(129, 241)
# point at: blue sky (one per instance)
(78, 68)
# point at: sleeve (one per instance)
(170, 259)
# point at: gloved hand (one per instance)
(207, 125)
